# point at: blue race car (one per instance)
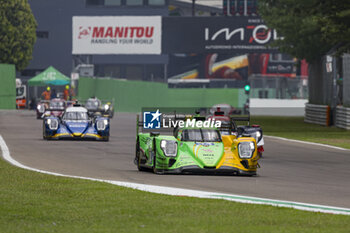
(75, 123)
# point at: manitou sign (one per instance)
(117, 35)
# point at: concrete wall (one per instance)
(7, 86)
(277, 107)
(131, 96)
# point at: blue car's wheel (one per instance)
(44, 133)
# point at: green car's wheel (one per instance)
(154, 167)
(138, 156)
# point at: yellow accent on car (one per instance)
(93, 135)
(61, 134)
(231, 157)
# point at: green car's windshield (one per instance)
(200, 135)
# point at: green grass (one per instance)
(33, 202)
(296, 128)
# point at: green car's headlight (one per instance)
(246, 150)
(169, 148)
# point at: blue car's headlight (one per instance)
(101, 124)
(52, 123)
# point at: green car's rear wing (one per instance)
(234, 119)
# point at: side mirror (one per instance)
(154, 134)
(240, 131)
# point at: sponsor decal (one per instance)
(280, 68)
(154, 120)
(215, 34)
(76, 125)
(151, 120)
(208, 150)
(117, 35)
(206, 144)
(259, 34)
(84, 32)
(210, 123)
(208, 155)
(50, 76)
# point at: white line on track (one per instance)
(188, 192)
(308, 143)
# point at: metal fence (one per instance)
(278, 87)
(346, 80)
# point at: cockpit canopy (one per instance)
(93, 103)
(75, 116)
(57, 104)
(200, 135)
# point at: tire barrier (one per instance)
(343, 117)
(317, 114)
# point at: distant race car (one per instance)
(198, 150)
(41, 108)
(254, 130)
(225, 108)
(56, 107)
(75, 123)
(95, 107)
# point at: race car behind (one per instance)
(95, 107)
(75, 123)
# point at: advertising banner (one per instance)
(116, 35)
(217, 34)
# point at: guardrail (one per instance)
(343, 117)
(317, 114)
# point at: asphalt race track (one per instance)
(289, 170)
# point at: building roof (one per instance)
(208, 3)
(210, 6)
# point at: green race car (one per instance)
(197, 150)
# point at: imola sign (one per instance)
(217, 34)
(260, 34)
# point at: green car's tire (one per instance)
(154, 167)
(138, 156)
